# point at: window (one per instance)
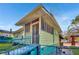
(42, 24)
(52, 31)
(27, 27)
(46, 27)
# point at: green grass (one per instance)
(7, 47)
(5, 44)
(75, 50)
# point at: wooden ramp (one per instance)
(25, 50)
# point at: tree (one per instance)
(74, 23)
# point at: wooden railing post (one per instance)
(38, 50)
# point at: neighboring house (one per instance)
(40, 27)
(5, 33)
(73, 36)
(19, 33)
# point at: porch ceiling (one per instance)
(27, 20)
(32, 15)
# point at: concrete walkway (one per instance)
(66, 52)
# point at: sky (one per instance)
(11, 13)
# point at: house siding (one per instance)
(77, 39)
(49, 39)
(19, 35)
(46, 38)
(28, 38)
(56, 38)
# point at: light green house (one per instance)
(19, 34)
(40, 27)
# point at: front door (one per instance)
(35, 34)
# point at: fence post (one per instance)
(8, 53)
(56, 50)
(38, 50)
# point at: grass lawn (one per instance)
(5, 44)
(7, 47)
(75, 50)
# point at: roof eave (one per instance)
(23, 19)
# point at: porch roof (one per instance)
(19, 30)
(27, 17)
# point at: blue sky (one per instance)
(11, 13)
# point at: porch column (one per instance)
(40, 24)
(73, 40)
(24, 32)
(31, 32)
(40, 18)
